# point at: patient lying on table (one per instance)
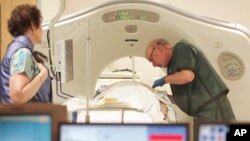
(131, 101)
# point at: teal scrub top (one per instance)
(22, 61)
(206, 84)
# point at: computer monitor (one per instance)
(224, 131)
(123, 132)
(54, 114)
(215, 132)
(25, 127)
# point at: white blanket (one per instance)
(139, 103)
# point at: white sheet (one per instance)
(129, 95)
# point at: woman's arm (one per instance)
(22, 89)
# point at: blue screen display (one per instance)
(25, 128)
(123, 132)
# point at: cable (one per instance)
(56, 75)
(50, 56)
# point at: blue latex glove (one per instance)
(159, 82)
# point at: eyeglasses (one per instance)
(151, 55)
(154, 46)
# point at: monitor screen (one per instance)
(53, 112)
(216, 132)
(224, 131)
(123, 132)
(25, 127)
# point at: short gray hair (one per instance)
(160, 41)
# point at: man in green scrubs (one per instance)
(197, 88)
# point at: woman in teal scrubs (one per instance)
(23, 77)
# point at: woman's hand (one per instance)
(22, 89)
(43, 71)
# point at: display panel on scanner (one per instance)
(25, 127)
(123, 132)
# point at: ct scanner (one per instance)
(91, 39)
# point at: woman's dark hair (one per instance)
(22, 17)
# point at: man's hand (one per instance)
(159, 82)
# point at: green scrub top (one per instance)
(206, 84)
